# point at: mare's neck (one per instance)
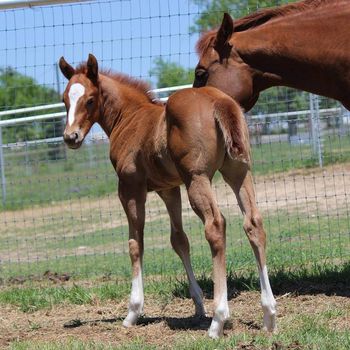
(306, 52)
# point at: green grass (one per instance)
(317, 278)
(34, 296)
(34, 179)
(291, 242)
(278, 157)
(73, 344)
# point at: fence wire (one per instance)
(59, 207)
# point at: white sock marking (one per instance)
(75, 92)
(268, 301)
(136, 301)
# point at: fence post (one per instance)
(2, 170)
(316, 127)
(344, 121)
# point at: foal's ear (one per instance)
(67, 70)
(222, 45)
(92, 68)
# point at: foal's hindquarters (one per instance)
(207, 132)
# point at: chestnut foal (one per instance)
(157, 148)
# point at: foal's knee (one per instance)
(215, 232)
(253, 227)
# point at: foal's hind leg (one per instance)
(239, 177)
(204, 204)
(179, 241)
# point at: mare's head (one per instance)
(221, 66)
(81, 98)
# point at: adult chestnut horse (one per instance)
(157, 148)
(304, 45)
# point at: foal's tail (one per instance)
(233, 126)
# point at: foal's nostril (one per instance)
(70, 138)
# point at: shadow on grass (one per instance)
(318, 279)
(175, 323)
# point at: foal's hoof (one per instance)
(216, 329)
(130, 320)
(215, 333)
(270, 323)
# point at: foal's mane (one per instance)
(260, 17)
(137, 84)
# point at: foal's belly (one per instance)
(162, 174)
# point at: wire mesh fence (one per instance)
(59, 207)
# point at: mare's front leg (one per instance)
(133, 198)
(179, 241)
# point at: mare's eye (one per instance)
(201, 73)
(90, 102)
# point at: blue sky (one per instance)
(125, 35)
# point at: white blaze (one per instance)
(75, 92)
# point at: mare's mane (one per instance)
(260, 17)
(137, 84)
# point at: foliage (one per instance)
(211, 14)
(17, 91)
(170, 73)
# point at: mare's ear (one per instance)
(222, 45)
(67, 70)
(92, 68)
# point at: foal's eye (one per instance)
(89, 102)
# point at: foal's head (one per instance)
(81, 98)
(221, 66)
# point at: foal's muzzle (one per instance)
(72, 140)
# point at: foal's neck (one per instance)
(306, 51)
(118, 102)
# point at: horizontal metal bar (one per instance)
(31, 109)
(11, 4)
(61, 105)
(35, 118)
(33, 142)
(172, 88)
(289, 114)
(50, 116)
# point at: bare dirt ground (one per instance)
(163, 323)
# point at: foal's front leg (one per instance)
(179, 241)
(133, 199)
